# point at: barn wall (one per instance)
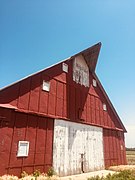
(114, 148)
(22, 127)
(66, 99)
(19, 126)
(6, 131)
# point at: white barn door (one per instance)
(77, 148)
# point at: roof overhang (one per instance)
(8, 106)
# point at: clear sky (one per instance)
(35, 34)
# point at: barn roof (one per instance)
(8, 106)
(91, 56)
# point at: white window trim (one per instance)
(94, 83)
(23, 152)
(104, 107)
(46, 86)
(65, 67)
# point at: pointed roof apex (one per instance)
(91, 55)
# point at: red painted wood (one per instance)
(105, 118)
(49, 144)
(89, 114)
(38, 131)
(59, 99)
(34, 93)
(44, 101)
(78, 103)
(65, 105)
(59, 107)
(101, 112)
(59, 90)
(40, 145)
(66, 99)
(6, 129)
(119, 149)
(53, 87)
(51, 106)
(83, 104)
(18, 135)
(24, 94)
(31, 136)
(98, 111)
(72, 103)
(10, 94)
(113, 153)
(83, 114)
(93, 110)
(109, 118)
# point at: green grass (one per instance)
(123, 175)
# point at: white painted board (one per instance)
(80, 71)
(73, 139)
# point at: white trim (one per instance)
(65, 67)
(46, 86)
(104, 107)
(23, 149)
(94, 82)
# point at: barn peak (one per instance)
(90, 55)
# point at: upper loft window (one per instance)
(104, 107)
(65, 67)
(94, 83)
(80, 71)
(46, 85)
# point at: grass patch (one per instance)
(123, 175)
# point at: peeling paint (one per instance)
(80, 71)
(77, 148)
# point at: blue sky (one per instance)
(35, 34)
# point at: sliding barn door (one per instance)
(77, 148)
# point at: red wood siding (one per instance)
(114, 148)
(37, 130)
(66, 99)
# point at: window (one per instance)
(104, 107)
(23, 149)
(65, 67)
(94, 83)
(46, 86)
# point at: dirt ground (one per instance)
(122, 167)
(111, 170)
(84, 176)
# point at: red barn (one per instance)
(60, 117)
